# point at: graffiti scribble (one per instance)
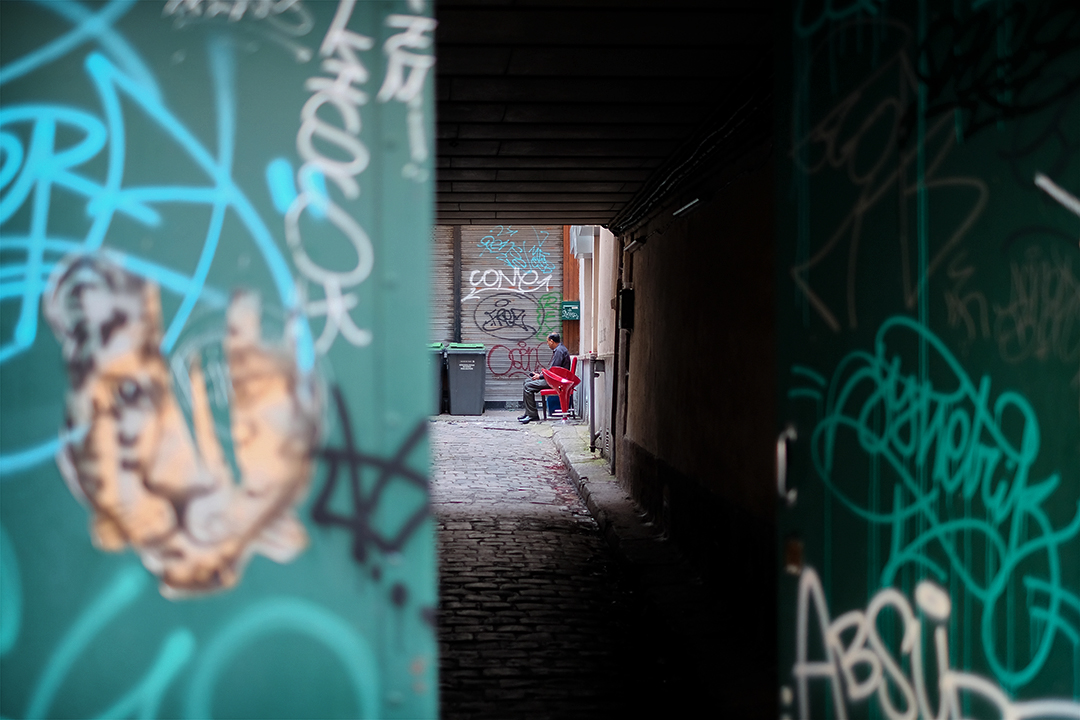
(959, 463)
(856, 142)
(505, 317)
(548, 314)
(969, 69)
(1042, 317)
(147, 484)
(520, 361)
(362, 523)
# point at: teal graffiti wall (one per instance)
(213, 383)
(929, 312)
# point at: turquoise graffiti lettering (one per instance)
(178, 649)
(146, 696)
(278, 615)
(806, 23)
(961, 462)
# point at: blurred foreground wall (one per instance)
(929, 322)
(213, 289)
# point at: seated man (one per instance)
(560, 357)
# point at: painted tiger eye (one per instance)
(129, 391)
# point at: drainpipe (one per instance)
(592, 402)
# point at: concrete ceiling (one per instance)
(573, 111)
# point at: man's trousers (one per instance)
(531, 387)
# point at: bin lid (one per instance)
(465, 348)
(436, 346)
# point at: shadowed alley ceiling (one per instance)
(572, 112)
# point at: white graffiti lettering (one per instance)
(859, 663)
(236, 10)
(342, 63)
(395, 85)
(1063, 196)
(405, 75)
(492, 279)
(1041, 319)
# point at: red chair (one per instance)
(562, 382)
(544, 394)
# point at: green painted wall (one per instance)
(929, 316)
(189, 150)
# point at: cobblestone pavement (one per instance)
(537, 620)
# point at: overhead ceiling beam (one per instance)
(552, 111)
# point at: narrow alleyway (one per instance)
(538, 617)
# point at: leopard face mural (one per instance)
(133, 460)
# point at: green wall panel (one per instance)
(929, 315)
(214, 218)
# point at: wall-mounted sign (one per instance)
(571, 310)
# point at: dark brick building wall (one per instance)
(696, 416)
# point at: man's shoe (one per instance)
(522, 417)
(526, 420)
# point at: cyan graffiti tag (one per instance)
(32, 171)
(960, 463)
(808, 20)
(180, 653)
(518, 254)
